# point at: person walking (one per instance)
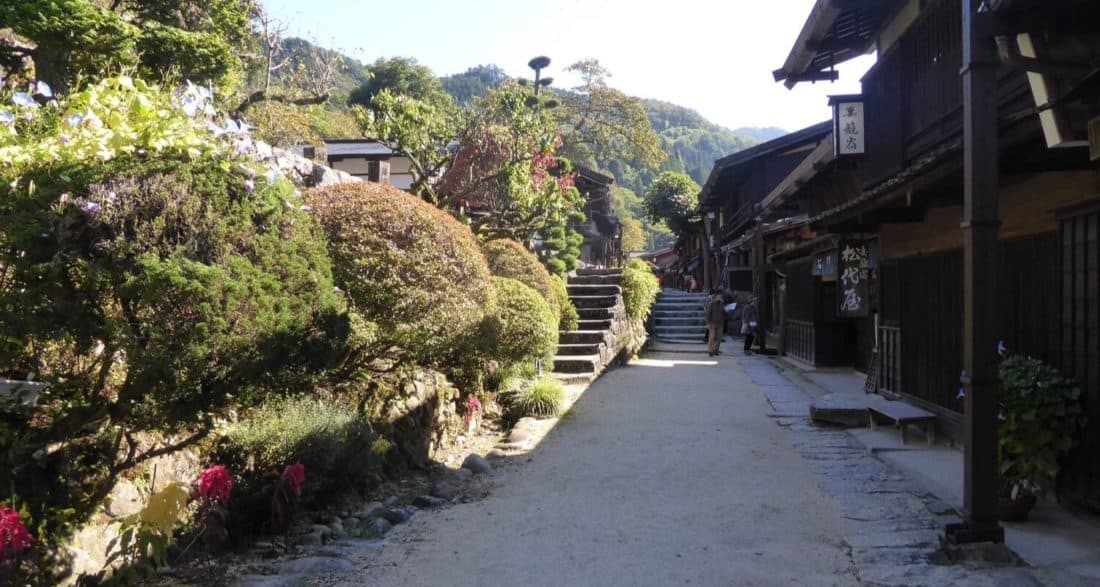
(716, 324)
(749, 324)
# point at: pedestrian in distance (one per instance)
(749, 324)
(716, 324)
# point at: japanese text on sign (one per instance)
(854, 277)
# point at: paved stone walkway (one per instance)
(679, 470)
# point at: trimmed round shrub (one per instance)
(414, 275)
(640, 289)
(508, 258)
(523, 326)
(569, 318)
(148, 295)
(542, 398)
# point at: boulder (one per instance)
(476, 464)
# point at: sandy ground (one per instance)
(666, 472)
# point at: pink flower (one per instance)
(473, 404)
(215, 483)
(91, 207)
(14, 537)
(294, 476)
(64, 199)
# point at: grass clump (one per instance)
(542, 398)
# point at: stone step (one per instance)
(586, 364)
(677, 313)
(594, 301)
(582, 337)
(594, 313)
(678, 340)
(574, 378)
(579, 349)
(594, 324)
(591, 271)
(596, 280)
(679, 321)
(593, 290)
(679, 329)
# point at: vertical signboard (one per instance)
(848, 125)
(855, 278)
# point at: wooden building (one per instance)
(601, 229)
(905, 209)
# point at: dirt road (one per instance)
(667, 472)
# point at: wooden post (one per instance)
(763, 316)
(980, 226)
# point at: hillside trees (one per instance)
(673, 199)
(401, 76)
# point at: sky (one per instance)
(714, 56)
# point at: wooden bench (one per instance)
(903, 415)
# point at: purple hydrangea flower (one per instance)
(23, 100)
(249, 186)
(91, 207)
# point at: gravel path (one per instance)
(670, 471)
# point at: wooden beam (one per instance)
(845, 44)
(813, 76)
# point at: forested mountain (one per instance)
(760, 133)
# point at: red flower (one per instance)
(14, 537)
(473, 404)
(215, 484)
(294, 476)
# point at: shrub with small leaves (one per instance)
(508, 258)
(569, 317)
(412, 272)
(523, 327)
(640, 289)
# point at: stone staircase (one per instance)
(679, 317)
(583, 353)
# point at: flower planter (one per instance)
(1014, 510)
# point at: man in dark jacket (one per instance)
(716, 324)
(749, 325)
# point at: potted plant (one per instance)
(1040, 415)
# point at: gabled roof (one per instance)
(836, 31)
(807, 135)
(593, 175)
(357, 148)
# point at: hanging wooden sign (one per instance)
(855, 279)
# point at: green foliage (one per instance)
(414, 275)
(113, 118)
(639, 233)
(331, 438)
(673, 198)
(160, 293)
(1040, 413)
(640, 289)
(522, 325)
(422, 131)
(508, 258)
(569, 316)
(283, 125)
(601, 123)
(401, 76)
(145, 536)
(542, 398)
(169, 40)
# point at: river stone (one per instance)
(312, 539)
(337, 529)
(318, 565)
(476, 464)
(429, 501)
(399, 515)
(462, 475)
(444, 490)
(369, 510)
(321, 529)
(378, 527)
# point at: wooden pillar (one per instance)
(980, 226)
(760, 289)
(704, 256)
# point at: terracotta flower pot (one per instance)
(1015, 510)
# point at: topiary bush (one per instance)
(415, 277)
(541, 398)
(508, 258)
(640, 289)
(148, 295)
(523, 327)
(569, 318)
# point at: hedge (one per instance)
(524, 327)
(640, 289)
(508, 258)
(414, 275)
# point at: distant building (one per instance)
(602, 231)
(371, 160)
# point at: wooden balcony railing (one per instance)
(889, 370)
(799, 340)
